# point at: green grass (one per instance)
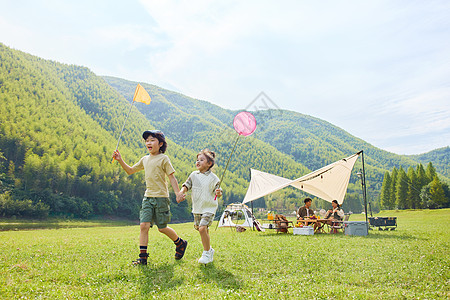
(94, 262)
(20, 224)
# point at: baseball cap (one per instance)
(153, 133)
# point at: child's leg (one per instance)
(143, 242)
(179, 242)
(143, 235)
(169, 232)
(162, 218)
(204, 234)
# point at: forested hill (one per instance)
(307, 140)
(59, 125)
(439, 157)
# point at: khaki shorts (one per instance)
(155, 210)
(205, 219)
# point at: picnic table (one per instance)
(320, 228)
(274, 224)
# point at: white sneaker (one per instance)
(211, 254)
(207, 257)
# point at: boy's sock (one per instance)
(143, 249)
(178, 241)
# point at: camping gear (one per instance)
(140, 95)
(234, 214)
(240, 229)
(338, 225)
(356, 228)
(281, 223)
(328, 183)
(305, 230)
(383, 223)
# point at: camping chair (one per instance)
(338, 225)
(281, 224)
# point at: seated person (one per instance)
(335, 214)
(306, 212)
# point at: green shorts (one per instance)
(155, 210)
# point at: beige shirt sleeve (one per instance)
(139, 166)
(167, 166)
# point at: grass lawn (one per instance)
(412, 262)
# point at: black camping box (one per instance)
(389, 223)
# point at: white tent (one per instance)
(328, 183)
(236, 214)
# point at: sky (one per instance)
(377, 69)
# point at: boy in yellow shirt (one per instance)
(156, 204)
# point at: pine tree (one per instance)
(437, 193)
(393, 190)
(401, 192)
(385, 196)
(413, 198)
(430, 172)
(421, 176)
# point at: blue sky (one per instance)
(378, 69)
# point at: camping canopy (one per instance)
(328, 183)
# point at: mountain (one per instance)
(59, 125)
(308, 141)
(440, 158)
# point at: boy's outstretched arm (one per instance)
(176, 188)
(124, 165)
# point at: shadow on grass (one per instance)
(402, 236)
(156, 280)
(223, 278)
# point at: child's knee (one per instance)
(203, 229)
(145, 226)
(163, 229)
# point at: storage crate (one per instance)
(305, 230)
(355, 228)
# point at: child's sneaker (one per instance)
(211, 254)
(207, 257)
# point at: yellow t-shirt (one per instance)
(156, 168)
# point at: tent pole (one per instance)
(363, 181)
(253, 221)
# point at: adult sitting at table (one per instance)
(334, 215)
(305, 212)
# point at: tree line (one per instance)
(414, 189)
